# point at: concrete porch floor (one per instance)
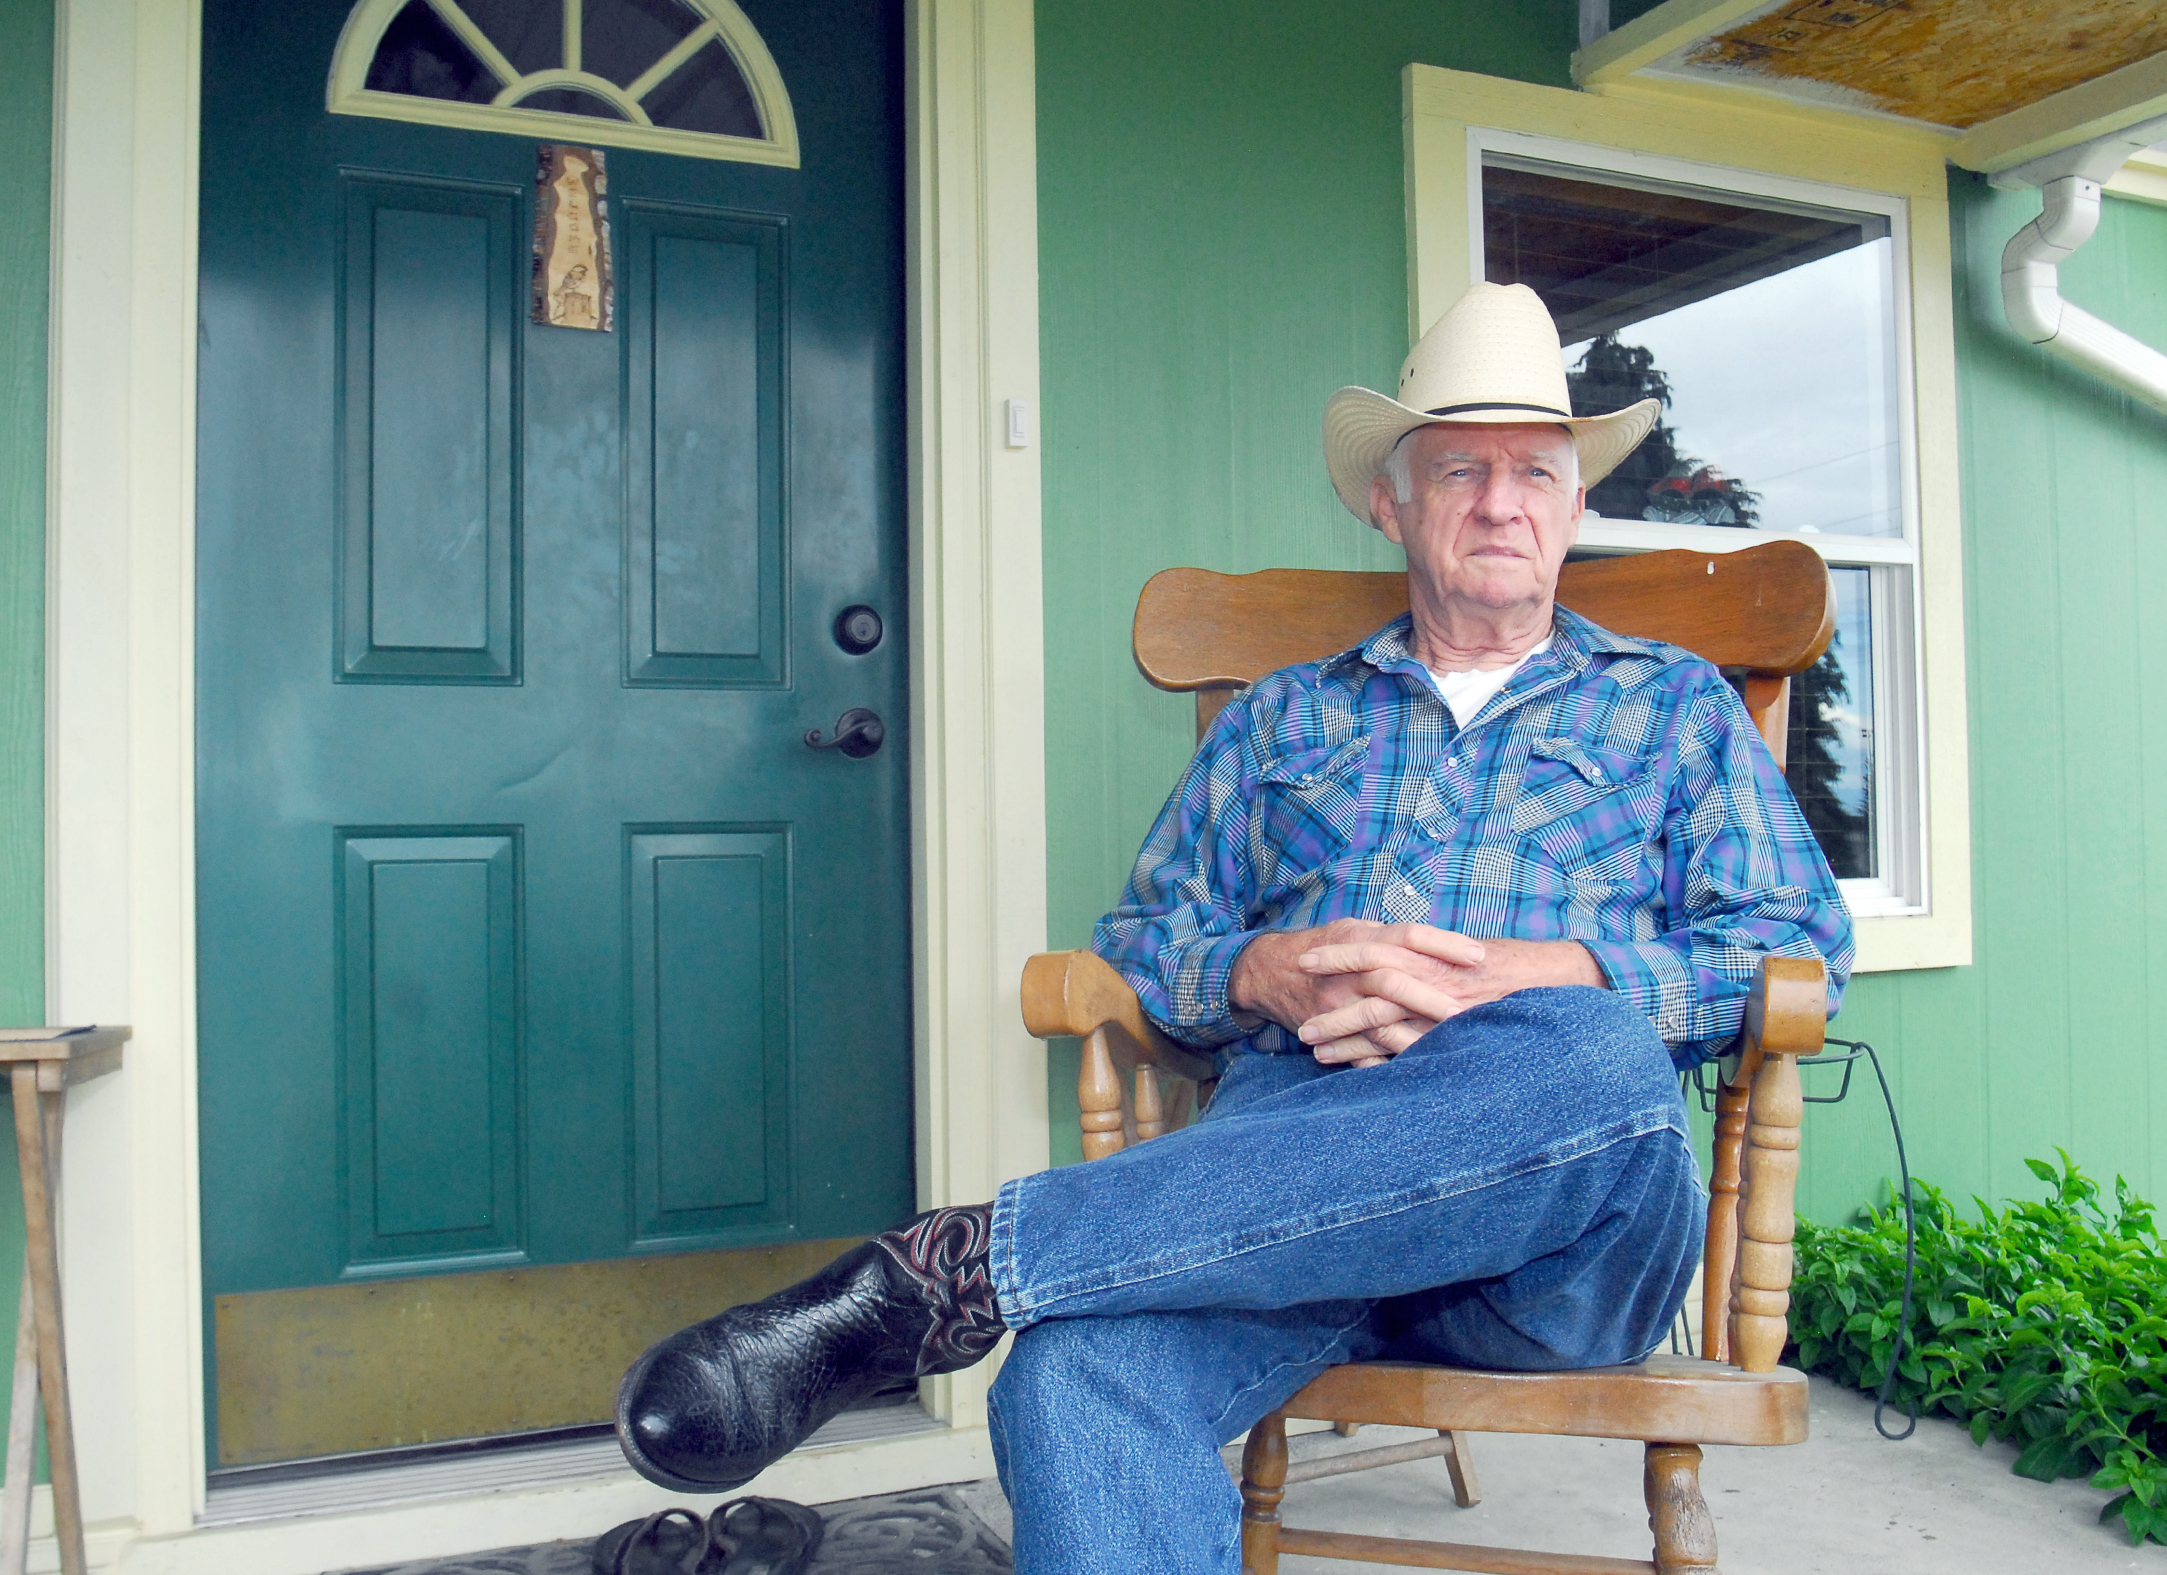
(1847, 1500)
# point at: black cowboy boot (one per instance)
(713, 1406)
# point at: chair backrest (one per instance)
(1762, 613)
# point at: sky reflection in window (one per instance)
(1767, 329)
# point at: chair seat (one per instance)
(1666, 1399)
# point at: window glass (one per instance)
(622, 38)
(1767, 329)
(423, 57)
(628, 52)
(1829, 755)
(572, 101)
(531, 36)
(706, 93)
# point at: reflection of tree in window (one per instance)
(420, 55)
(1658, 481)
(1816, 764)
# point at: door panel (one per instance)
(429, 332)
(428, 1057)
(530, 932)
(704, 355)
(710, 942)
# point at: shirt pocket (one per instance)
(1582, 805)
(1308, 806)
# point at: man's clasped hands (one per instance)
(1360, 992)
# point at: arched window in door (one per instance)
(676, 76)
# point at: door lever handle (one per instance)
(858, 733)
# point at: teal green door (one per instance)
(532, 931)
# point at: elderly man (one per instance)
(1451, 906)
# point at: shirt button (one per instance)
(1595, 773)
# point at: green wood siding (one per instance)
(1222, 243)
(26, 131)
(2047, 1039)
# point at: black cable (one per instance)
(1903, 1170)
(1856, 1048)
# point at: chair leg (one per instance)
(1685, 1533)
(1264, 1484)
(1460, 1461)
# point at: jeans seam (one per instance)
(1336, 1338)
(1581, 1146)
(1001, 1254)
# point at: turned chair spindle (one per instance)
(1761, 1283)
(1098, 1096)
(1150, 1117)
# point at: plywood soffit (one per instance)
(2009, 79)
(1951, 63)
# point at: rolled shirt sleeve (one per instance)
(1743, 879)
(1183, 918)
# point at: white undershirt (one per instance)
(1467, 693)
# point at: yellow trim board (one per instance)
(337, 1369)
(1728, 131)
(1723, 130)
(2135, 93)
(2142, 179)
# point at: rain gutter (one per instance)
(2031, 290)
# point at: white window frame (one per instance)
(1917, 912)
(1899, 839)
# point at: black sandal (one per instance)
(668, 1542)
(765, 1536)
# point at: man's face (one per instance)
(1495, 509)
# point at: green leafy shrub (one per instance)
(2043, 1322)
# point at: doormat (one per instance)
(927, 1531)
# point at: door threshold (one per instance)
(336, 1483)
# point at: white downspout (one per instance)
(2031, 288)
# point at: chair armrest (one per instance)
(1078, 993)
(1787, 1013)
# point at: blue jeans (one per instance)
(1516, 1190)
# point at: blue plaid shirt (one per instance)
(1615, 793)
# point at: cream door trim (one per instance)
(120, 742)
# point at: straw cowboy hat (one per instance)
(1493, 358)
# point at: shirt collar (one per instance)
(1576, 641)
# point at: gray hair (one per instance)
(1399, 469)
(1398, 466)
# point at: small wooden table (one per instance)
(43, 1064)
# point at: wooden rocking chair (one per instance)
(1764, 613)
